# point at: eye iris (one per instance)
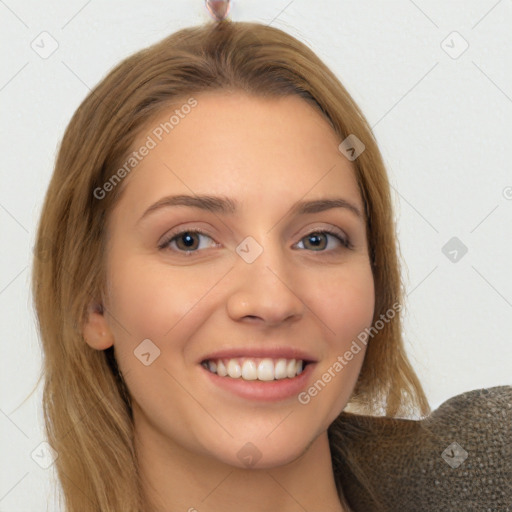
(189, 240)
(317, 239)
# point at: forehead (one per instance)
(233, 144)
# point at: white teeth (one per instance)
(249, 370)
(280, 369)
(291, 368)
(221, 369)
(234, 370)
(265, 369)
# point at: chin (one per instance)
(262, 452)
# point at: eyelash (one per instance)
(168, 239)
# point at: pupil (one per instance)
(189, 240)
(315, 238)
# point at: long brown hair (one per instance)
(86, 405)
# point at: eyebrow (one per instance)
(227, 206)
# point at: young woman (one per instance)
(217, 282)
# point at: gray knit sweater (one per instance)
(458, 459)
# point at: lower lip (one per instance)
(265, 391)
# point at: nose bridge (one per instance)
(263, 281)
(263, 256)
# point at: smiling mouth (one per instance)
(262, 369)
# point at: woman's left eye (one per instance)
(185, 241)
(320, 240)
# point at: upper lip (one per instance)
(270, 352)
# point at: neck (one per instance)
(176, 479)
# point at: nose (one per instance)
(266, 291)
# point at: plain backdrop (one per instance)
(434, 79)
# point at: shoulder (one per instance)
(457, 458)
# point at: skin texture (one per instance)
(268, 154)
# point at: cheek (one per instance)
(149, 300)
(347, 303)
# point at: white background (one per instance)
(443, 125)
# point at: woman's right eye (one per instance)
(185, 241)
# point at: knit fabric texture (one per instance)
(459, 458)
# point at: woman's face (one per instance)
(262, 283)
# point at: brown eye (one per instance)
(185, 241)
(318, 241)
